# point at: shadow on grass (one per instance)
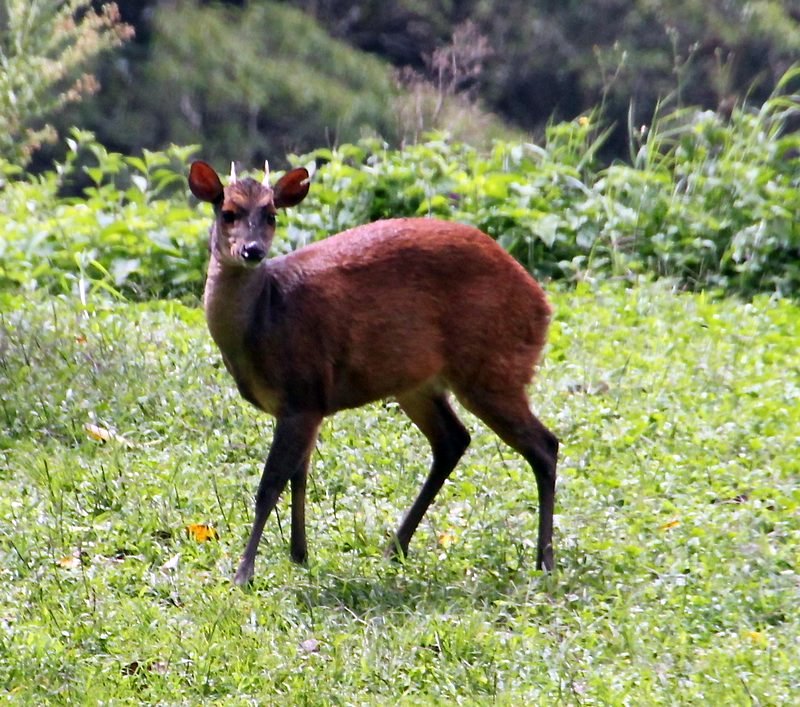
(423, 582)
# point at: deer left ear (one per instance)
(204, 182)
(291, 188)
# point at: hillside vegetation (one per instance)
(255, 79)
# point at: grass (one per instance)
(677, 534)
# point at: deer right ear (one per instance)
(204, 182)
(292, 188)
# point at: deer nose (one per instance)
(253, 253)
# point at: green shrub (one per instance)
(712, 203)
(717, 202)
(121, 236)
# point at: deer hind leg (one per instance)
(509, 415)
(298, 544)
(432, 414)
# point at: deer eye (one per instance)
(269, 216)
(229, 216)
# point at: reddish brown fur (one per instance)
(409, 308)
(333, 310)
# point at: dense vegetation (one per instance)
(251, 83)
(563, 58)
(713, 203)
(250, 80)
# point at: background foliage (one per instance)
(564, 58)
(712, 203)
(253, 82)
(249, 79)
(46, 50)
(119, 236)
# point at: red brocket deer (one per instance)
(410, 308)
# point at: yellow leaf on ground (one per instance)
(756, 637)
(446, 539)
(102, 434)
(70, 562)
(202, 532)
(670, 525)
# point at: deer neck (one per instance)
(232, 296)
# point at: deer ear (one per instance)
(292, 188)
(204, 182)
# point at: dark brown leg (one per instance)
(509, 415)
(449, 439)
(299, 548)
(294, 439)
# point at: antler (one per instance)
(232, 179)
(265, 181)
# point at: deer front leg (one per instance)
(295, 435)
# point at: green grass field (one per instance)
(677, 527)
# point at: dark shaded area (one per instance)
(550, 60)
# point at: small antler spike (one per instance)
(265, 181)
(233, 173)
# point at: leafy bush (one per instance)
(722, 209)
(712, 203)
(122, 236)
